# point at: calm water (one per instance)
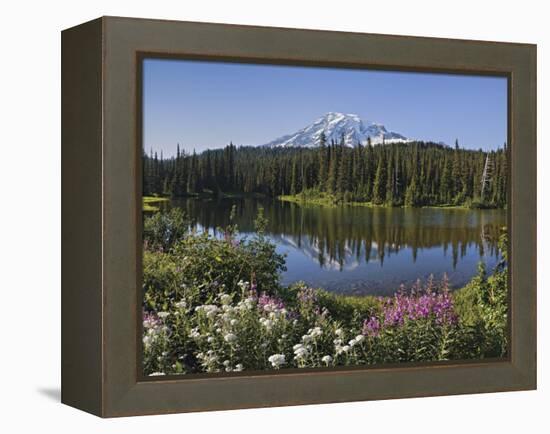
(361, 250)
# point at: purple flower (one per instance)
(419, 304)
(371, 327)
(307, 296)
(269, 303)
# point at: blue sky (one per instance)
(202, 105)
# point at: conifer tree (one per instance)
(379, 186)
(323, 162)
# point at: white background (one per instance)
(30, 215)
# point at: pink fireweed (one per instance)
(307, 296)
(269, 303)
(403, 307)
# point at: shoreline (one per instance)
(330, 202)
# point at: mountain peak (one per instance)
(336, 125)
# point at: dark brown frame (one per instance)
(101, 192)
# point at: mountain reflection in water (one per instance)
(363, 250)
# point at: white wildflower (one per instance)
(249, 303)
(297, 346)
(239, 367)
(276, 360)
(181, 304)
(209, 309)
(156, 374)
(315, 332)
(163, 315)
(300, 354)
(243, 285)
(147, 341)
(300, 351)
(267, 323)
(194, 333)
(230, 337)
(225, 299)
(148, 324)
(339, 333)
(326, 359)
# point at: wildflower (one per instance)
(156, 374)
(300, 351)
(356, 340)
(307, 297)
(268, 303)
(315, 332)
(371, 327)
(230, 337)
(276, 360)
(181, 304)
(267, 323)
(326, 359)
(149, 322)
(147, 341)
(225, 299)
(339, 333)
(210, 310)
(238, 367)
(243, 285)
(194, 333)
(163, 315)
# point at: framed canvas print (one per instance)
(260, 217)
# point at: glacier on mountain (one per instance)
(334, 125)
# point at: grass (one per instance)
(348, 309)
(324, 199)
(149, 203)
(239, 195)
(317, 198)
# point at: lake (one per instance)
(362, 250)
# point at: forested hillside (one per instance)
(411, 174)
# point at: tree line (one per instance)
(412, 174)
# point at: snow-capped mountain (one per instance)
(334, 125)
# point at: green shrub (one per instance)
(482, 306)
(162, 230)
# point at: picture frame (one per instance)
(101, 215)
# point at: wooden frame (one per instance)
(101, 198)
